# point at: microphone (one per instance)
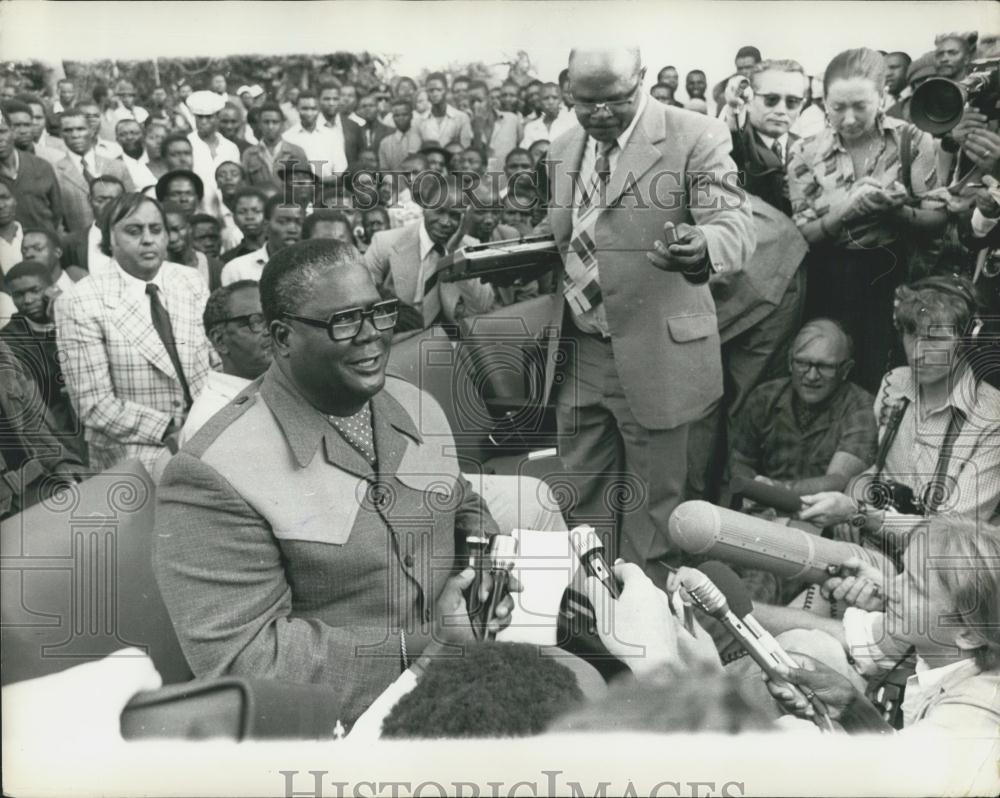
(781, 499)
(502, 554)
(590, 551)
(698, 527)
(738, 597)
(478, 547)
(710, 599)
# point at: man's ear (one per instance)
(846, 368)
(279, 337)
(217, 338)
(969, 640)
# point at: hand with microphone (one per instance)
(739, 622)
(637, 627)
(857, 584)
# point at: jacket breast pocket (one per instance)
(692, 327)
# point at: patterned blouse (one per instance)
(821, 173)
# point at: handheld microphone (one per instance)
(781, 499)
(590, 551)
(478, 547)
(502, 554)
(710, 599)
(698, 527)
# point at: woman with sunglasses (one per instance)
(938, 424)
(858, 191)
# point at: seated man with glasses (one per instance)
(308, 532)
(811, 431)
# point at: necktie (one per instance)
(602, 166)
(776, 149)
(87, 174)
(431, 306)
(161, 323)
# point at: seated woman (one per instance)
(938, 425)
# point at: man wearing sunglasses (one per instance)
(760, 307)
(645, 207)
(307, 532)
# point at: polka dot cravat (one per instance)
(357, 431)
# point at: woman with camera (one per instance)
(856, 190)
(939, 424)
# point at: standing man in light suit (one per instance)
(636, 360)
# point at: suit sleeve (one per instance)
(54, 197)
(472, 517)
(377, 262)
(220, 571)
(720, 208)
(88, 377)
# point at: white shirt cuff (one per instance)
(981, 225)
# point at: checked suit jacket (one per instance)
(77, 214)
(119, 375)
(675, 168)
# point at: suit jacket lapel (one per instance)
(73, 174)
(394, 431)
(639, 154)
(565, 171)
(405, 263)
(135, 322)
(183, 322)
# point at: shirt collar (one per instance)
(928, 678)
(304, 426)
(768, 141)
(227, 385)
(884, 123)
(136, 288)
(962, 397)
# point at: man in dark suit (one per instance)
(83, 247)
(373, 131)
(307, 531)
(760, 307)
(32, 181)
(80, 166)
(638, 358)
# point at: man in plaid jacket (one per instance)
(131, 382)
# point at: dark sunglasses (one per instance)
(255, 321)
(791, 102)
(346, 324)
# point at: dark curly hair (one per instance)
(491, 690)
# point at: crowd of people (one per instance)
(211, 282)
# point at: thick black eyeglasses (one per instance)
(346, 324)
(255, 321)
(791, 102)
(826, 370)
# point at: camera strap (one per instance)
(906, 158)
(935, 491)
(896, 414)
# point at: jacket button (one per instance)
(408, 561)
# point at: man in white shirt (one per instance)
(320, 138)
(67, 96)
(209, 148)
(554, 120)
(126, 107)
(236, 329)
(128, 134)
(284, 227)
(92, 113)
(11, 233)
(42, 246)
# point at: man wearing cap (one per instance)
(78, 169)
(125, 107)
(209, 148)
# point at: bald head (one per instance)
(820, 360)
(826, 330)
(606, 84)
(614, 63)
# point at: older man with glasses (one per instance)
(813, 430)
(308, 532)
(643, 209)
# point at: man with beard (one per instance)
(128, 134)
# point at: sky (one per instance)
(432, 35)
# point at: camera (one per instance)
(938, 103)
